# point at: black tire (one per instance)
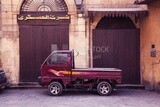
(55, 88)
(104, 88)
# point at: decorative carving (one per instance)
(44, 5)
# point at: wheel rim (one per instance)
(104, 88)
(55, 89)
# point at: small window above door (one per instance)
(44, 5)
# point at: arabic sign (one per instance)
(43, 17)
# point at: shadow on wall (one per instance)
(151, 86)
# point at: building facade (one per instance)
(108, 33)
(150, 26)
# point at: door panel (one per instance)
(103, 48)
(36, 43)
(123, 51)
(25, 49)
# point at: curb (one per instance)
(130, 86)
(24, 86)
(36, 86)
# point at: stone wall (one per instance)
(150, 34)
(77, 38)
(9, 40)
(0, 36)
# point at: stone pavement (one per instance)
(39, 97)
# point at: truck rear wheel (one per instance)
(104, 88)
(55, 88)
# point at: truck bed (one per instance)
(97, 69)
(98, 73)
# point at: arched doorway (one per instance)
(43, 28)
(116, 43)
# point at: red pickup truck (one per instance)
(59, 73)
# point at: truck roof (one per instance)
(62, 51)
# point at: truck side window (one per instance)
(58, 59)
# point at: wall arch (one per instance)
(19, 6)
(115, 23)
(68, 3)
(99, 17)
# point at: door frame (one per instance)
(93, 25)
(40, 19)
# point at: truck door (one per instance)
(58, 63)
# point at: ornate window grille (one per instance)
(44, 5)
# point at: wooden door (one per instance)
(36, 43)
(118, 49)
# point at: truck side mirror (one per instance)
(153, 51)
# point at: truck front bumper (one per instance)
(40, 80)
(44, 81)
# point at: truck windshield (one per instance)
(58, 58)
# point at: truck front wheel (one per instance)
(55, 88)
(104, 88)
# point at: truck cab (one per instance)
(59, 73)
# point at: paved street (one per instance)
(40, 98)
